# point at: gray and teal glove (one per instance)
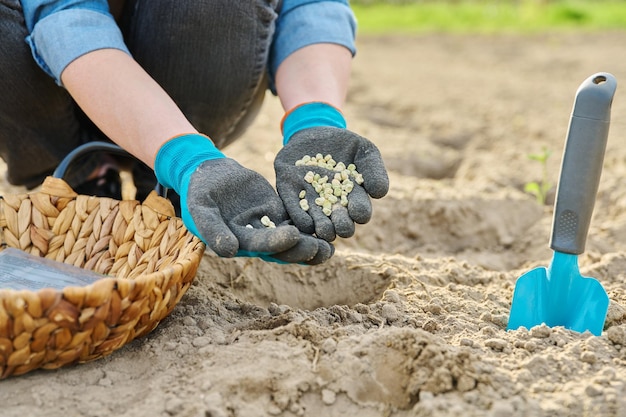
(318, 128)
(223, 203)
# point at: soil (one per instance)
(409, 317)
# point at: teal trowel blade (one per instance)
(559, 296)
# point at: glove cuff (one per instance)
(311, 114)
(180, 156)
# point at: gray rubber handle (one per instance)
(581, 165)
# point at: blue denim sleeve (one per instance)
(61, 31)
(306, 22)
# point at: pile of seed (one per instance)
(330, 191)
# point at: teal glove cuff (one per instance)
(179, 157)
(265, 256)
(312, 114)
(177, 160)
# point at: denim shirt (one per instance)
(61, 31)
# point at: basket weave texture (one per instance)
(150, 256)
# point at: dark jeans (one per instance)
(210, 56)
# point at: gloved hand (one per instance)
(222, 203)
(308, 130)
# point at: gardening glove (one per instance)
(223, 203)
(318, 129)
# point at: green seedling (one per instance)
(540, 188)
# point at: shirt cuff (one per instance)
(311, 23)
(61, 37)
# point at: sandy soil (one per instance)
(409, 318)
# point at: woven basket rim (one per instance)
(68, 192)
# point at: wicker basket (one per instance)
(149, 255)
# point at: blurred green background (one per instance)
(487, 16)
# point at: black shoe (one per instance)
(107, 185)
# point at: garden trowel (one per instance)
(559, 295)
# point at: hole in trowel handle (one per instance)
(599, 79)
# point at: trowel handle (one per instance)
(581, 165)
